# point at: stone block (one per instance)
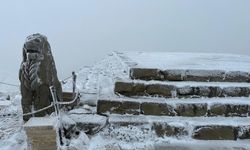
(218, 110)
(202, 91)
(191, 110)
(229, 110)
(157, 109)
(89, 123)
(214, 133)
(215, 92)
(244, 132)
(146, 74)
(232, 91)
(129, 89)
(245, 91)
(237, 76)
(163, 129)
(41, 133)
(127, 107)
(204, 75)
(105, 106)
(186, 90)
(174, 75)
(160, 90)
(237, 110)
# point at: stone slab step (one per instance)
(201, 128)
(189, 75)
(200, 145)
(182, 89)
(228, 107)
(89, 123)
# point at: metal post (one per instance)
(74, 83)
(55, 101)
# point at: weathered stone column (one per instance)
(37, 73)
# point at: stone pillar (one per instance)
(37, 73)
(42, 133)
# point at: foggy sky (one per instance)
(83, 32)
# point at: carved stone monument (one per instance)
(37, 73)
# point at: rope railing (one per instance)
(40, 110)
(53, 104)
(9, 84)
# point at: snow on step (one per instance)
(182, 89)
(194, 61)
(89, 123)
(171, 144)
(187, 66)
(227, 107)
(206, 128)
(189, 75)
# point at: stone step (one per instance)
(200, 128)
(189, 75)
(182, 89)
(76, 120)
(227, 107)
(200, 145)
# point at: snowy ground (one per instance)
(97, 81)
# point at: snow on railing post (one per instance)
(54, 97)
(57, 111)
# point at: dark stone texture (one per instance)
(218, 110)
(189, 75)
(160, 90)
(127, 107)
(245, 91)
(237, 76)
(215, 92)
(157, 109)
(186, 90)
(106, 106)
(191, 110)
(204, 75)
(146, 74)
(129, 89)
(202, 91)
(37, 74)
(163, 129)
(174, 75)
(118, 107)
(215, 133)
(232, 91)
(237, 110)
(244, 132)
(229, 110)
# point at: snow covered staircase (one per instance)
(195, 97)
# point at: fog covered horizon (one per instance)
(83, 32)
